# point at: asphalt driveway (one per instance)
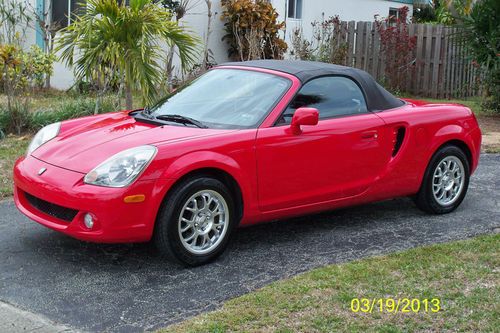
(129, 288)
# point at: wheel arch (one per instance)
(423, 199)
(160, 236)
(461, 144)
(457, 135)
(222, 176)
(235, 170)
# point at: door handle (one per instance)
(369, 135)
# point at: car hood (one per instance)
(83, 146)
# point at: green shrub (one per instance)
(68, 110)
(33, 121)
(23, 70)
(252, 30)
(4, 121)
(326, 45)
(14, 119)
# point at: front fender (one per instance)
(202, 159)
(208, 159)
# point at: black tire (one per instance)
(425, 198)
(166, 234)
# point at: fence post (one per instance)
(419, 61)
(350, 41)
(376, 52)
(436, 61)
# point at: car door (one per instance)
(337, 158)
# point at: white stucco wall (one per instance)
(347, 10)
(62, 77)
(196, 21)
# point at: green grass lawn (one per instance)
(464, 275)
(55, 99)
(10, 149)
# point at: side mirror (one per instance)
(304, 116)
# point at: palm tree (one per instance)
(126, 39)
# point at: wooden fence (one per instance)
(442, 67)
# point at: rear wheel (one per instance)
(195, 221)
(445, 182)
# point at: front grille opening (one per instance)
(62, 213)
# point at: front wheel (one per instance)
(445, 181)
(195, 221)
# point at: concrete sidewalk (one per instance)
(14, 320)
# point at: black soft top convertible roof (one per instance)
(377, 98)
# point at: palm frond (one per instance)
(128, 38)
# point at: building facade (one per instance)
(296, 13)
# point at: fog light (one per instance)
(89, 221)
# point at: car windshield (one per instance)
(224, 98)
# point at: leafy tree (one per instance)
(446, 12)
(178, 8)
(481, 33)
(111, 37)
(424, 13)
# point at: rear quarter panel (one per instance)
(428, 126)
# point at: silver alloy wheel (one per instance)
(203, 221)
(448, 180)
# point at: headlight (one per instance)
(45, 134)
(121, 169)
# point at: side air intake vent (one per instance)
(399, 135)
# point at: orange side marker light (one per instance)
(134, 198)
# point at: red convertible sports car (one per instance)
(244, 143)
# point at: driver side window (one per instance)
(333, 96)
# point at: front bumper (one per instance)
(59, 199)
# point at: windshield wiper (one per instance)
(181, 119)
(146, 112)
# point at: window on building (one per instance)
(295, 9)
(393, 15)
(63, 11)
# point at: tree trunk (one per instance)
(47, 81)
(170, 68)
(7, 88)
(207, 36)
(128, 96)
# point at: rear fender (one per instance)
(451, 133)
